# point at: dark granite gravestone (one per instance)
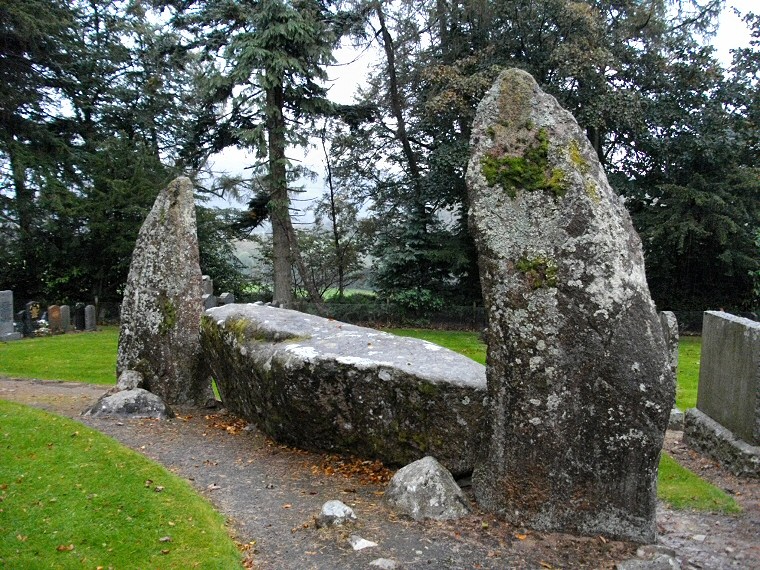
(579, 377)
(90, 322)
(79, 322)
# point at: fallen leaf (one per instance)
(521, 536)
(158, 488)
(604, 540)
(546, 564)
(148, 482)
(165, 539)
(213, 487)
(22, 537)
(287, 506)
(65, 548)
(167, 551)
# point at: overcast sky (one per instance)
(351, 68)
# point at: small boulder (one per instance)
(426, 490)
(335, 513)
(129, 380)
(359, 543)
(136, 403)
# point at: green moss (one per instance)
(162, 216)
(427, 389)
(592, 191)
(168, 314)
(540, 271)
(529, 172)
(577, 158)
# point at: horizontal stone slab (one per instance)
(704, 434)
(324, 385)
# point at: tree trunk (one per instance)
(285, 250)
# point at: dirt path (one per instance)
(271, 494)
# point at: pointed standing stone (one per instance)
(579, 378)
(161, 312)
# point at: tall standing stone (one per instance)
(161, 311)
(578, 374)
(7, 332)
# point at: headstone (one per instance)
(22, 317)
(90, 322)
(226, 299)
(54, 319)
(79, 321)
(726, 423)
(208, 285)
(65, 318)
(426, 490)
(7, 332)
(33, 314)
(209, 301)
(579, 379)
(161, 311)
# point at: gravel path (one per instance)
(271, 494)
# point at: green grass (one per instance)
(689, 349)
(682, 489)
(80, 357)
(466, 343)
(71, 497)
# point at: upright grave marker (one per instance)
(90, 321)
(54, 319)
(7, 332)
(79, 322)
(579, 377)
(65, 318)
(726, 422)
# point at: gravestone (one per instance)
(54, 319)
(726, 422)
(209, 301)
(579, 380)
(7, 332)
(226, 299)
(90, 322)
(32, 314)
(65, 318)
(161, 311)
(22, 317)
(208, 285)
(79, 321)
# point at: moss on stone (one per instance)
(168, 315)
(577, 158)
(529, 172)
(427, 388)
(541, 271)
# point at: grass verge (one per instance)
(689, 351)
(683, 489)
(79, 357)
(71, 497)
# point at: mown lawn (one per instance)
(79, 357)
(71, 497)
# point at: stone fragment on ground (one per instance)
(359, 543)
(136, 403)
(579, 379)
(324, 385)
(162, 301)
(335, 513)
(426, 490)
(384, 563)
